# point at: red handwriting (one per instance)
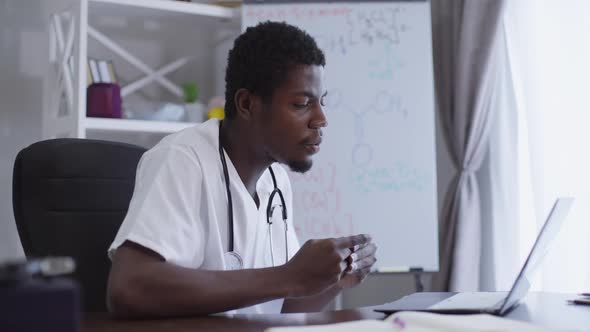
(322, 176)
(322, 226)
(317, 200)
(286, 12)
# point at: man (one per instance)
(197, 238)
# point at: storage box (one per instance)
(103, 100)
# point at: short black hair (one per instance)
(262, 56)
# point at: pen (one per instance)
(583, 301)
(399, 322)
(400, 269)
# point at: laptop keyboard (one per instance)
(474, 300)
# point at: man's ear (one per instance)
(246, 103)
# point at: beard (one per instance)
(300, 166)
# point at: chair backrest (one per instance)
(69, 197)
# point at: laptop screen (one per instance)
(540, 248)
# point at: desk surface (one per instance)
(546, 309)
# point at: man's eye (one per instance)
(301, 105)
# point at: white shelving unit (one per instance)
(151, 42)
(141, 126)
(163, 9)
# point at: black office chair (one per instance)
(69, 198)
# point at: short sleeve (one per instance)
(162, 214)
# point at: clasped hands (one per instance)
(319, 264)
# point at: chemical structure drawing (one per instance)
(387, 102)
(376, 25)
(364, 28)
(383, 102)
(384, 64)
(332, 43)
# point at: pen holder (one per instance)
(103, 100)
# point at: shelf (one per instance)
(162, 19)
(160, 8)
(138, 126)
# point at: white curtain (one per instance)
(465, 38)
(540, 146)
(498, 175)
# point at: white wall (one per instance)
(22, 67)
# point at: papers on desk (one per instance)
(427, 322)
(354, 326)
(423, 322)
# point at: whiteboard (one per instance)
(376, 171)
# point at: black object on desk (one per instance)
(40, 305)
(417, 271)
(581, 301)
(32, 301)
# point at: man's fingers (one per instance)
(344, 267)
(359, 246)
(349, 260)
(352, 241)
(368, 250)
(367, 262)
(364, 272)
(345, 254)
(361, 274)
(349, 244)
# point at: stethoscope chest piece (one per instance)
(233, 261)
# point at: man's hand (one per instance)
(320, 264)
(359, 265)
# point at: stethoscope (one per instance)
(233, 259)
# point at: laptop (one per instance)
(495, 303)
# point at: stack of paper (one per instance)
(423, 322)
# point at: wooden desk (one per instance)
(546, 309)
(552, 310)
(102, 322)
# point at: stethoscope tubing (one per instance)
(269, 208)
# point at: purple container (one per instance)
(103, 100)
